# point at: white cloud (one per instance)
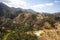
(38, 7)
(56, 1)
(7, 1)
(42, 5)
(17, 3)
(49, 4)
(24, 4)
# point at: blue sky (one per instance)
(50, 6)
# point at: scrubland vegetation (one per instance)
(24, 25)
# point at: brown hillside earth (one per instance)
(47, 34)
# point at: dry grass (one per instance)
(50, 35)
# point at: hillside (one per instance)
(26, 24)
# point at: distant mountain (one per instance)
(3, 9)
(8, 11)
(12, 12)
(30, 11)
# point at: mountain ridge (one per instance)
(26, 24)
